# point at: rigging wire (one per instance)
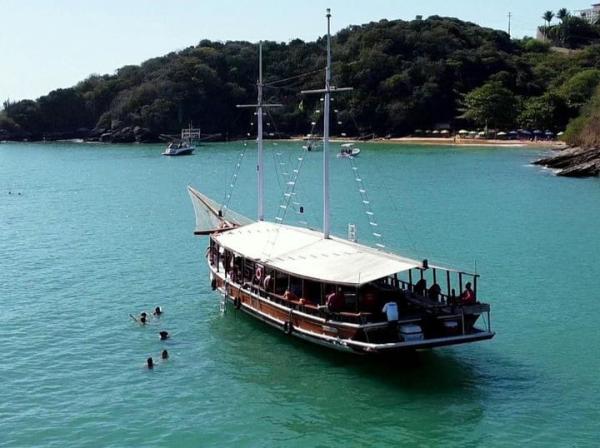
(291, 78)
(375, 231)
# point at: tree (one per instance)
(562, 14)
(578, 89)
(491, 104)
(548, 16)
(544, 112)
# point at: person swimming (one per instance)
(150, 363)
(157, 311)
(164, 354)
(164, 335)
(143, 319)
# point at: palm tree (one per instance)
(562, 14)
(548, 16)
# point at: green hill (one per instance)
(406, 75)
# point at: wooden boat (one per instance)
(328, 290)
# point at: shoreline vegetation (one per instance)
(437, 74)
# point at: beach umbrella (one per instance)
(418, 131)
(537, 132)
(549, 133)
(524, 132)
(445, 131)
(501, 134)
(560, 134)
(481, 134)
(472, 133)
(436, 132)
(513, 133)
(463, 131)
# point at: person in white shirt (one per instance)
(391, 311)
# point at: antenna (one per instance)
(259, 138)
(509, 20)
(327, 91)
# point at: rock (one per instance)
(574, 162)
(106, 137)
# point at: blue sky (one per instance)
(47, 44)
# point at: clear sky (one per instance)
(47, 44)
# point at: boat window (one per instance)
(295, 286)
(281, 282)
(249, 271)
(312, 291)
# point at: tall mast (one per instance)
(259, 137)
(329, 89)
(260, 165)
(326, 211)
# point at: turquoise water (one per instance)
(92, 233)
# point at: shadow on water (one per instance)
(250, 341)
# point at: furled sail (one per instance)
(210, 217)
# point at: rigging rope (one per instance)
(229, 189)
(375, 231)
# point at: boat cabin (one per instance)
(337, 281)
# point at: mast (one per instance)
(329, 89)
(326, 208)
(260, 165)
(259, 137)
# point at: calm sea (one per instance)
(91, 233)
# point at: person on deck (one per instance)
(391, 311)
(421, 287)
(468, 296)
(335, 302)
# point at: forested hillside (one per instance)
(406, 75)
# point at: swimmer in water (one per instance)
(164, 354)
(164, 335)
(143, 319)
(157, 311)
(150, 363)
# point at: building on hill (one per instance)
(591, 14)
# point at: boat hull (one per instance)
(336, 335)
(181, 152)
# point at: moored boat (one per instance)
(330, 291)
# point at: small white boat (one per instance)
(349, 150)
(179, 149)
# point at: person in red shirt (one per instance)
(468, 296)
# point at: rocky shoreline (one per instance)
(574, 162)
(128, 134)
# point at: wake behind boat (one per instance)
(333, 292)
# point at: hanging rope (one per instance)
(375, 231)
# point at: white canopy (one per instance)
(306, 254)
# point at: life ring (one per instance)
(213, 284)
(288, 327)
(237, 303)
(258, 273)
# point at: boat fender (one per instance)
(288, 327)
(213, 284)
(237, 302)
(259, 273)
